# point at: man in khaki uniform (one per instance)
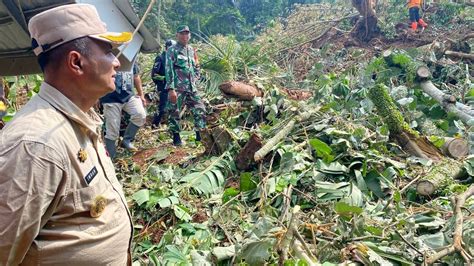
(60, 201)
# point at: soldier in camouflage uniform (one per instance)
(181, 76)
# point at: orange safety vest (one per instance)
(414, 3)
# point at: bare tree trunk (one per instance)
(366, 27)
(158, 31)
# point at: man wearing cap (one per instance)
(181, 77)
(123, 98)
(159, 78)
(60, 201)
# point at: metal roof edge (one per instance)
(150, 45)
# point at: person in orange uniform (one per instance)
(414, 12)
(60, 200)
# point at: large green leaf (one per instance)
(322, 150)
(346, 210)
(141, 196)
(210, 180)
(168, 201)
(223, 253)
(256, 253)
(181, 213)
(373, 183)
(332, 168)
(246, 182)
(174, 255)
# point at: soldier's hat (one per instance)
(182, 28)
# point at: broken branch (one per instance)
(457, 245)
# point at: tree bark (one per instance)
(270, 145)
(240, 90)
(366, 27)
(457, 246)
(245, 158)
(463, 112)
(216, 140)
(423, 76)
(440, 176)
(400, 131)
(460, 55)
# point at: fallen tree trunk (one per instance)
(448, 102)
(270, 145)
(442, 175)
(400, 131)
(240, 90)
(468, 36)
(422, 75)
(459, 55)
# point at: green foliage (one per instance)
(322, 150)
(390, 13)
(240, 18)
(211, 179)
(346, 210)
(446, 13)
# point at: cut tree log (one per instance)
(409, 139)
(270, 145)
(456, 148)
(423, 75)
(245, 158)
(448, 102)
(240, 90)
(460, 55)
(442, 175)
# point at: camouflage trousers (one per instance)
(194, 104)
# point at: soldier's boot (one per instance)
(177, 139)
(198, 135)
(422, 23)
(110, 147)
(128, 137)
(156, 120)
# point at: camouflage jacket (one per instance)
(181, 68)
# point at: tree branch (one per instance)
(457, 246)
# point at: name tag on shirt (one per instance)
(90, 176)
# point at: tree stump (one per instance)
(245, 158)
(366, 27)
(217, 140)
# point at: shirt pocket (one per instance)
(182, 61)
(97, 207)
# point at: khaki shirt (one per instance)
(60, 201)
